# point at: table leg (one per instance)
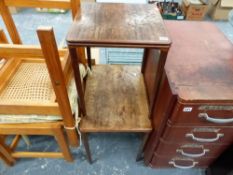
(86, 146)
(141, 148)
(89, 56)
(144, 59)
(75, 64)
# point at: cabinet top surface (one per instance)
(200, 61)
(103, 24)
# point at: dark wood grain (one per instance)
(200, 62)
(116, 100)
(124, 25)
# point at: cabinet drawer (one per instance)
(189, 150)
(204, 135)
(202, 115)
(179, 162)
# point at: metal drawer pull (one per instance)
(215, 120)
(218, 136)
(204, 151)
(182, 167)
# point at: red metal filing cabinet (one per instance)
(193, 116)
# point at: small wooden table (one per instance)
(118, 98)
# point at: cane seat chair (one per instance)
(74, 5)
(37, 96)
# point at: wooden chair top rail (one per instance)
(64, 4)
(19, 51)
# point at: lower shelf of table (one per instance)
(116, 101)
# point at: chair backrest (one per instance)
(18, 54)
(74, 5)
(34, 54)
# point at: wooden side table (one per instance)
(118, 98)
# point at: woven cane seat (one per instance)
(31, 84)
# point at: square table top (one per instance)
(123, 25)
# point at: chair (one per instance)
(45, 97)
(14, 35)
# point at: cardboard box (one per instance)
(219, 9)
(194, 9)
(170, 10)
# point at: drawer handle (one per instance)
(181, 166)
(218, 136)
(204, 151)
(215, 120)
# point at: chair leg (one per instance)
(73, 137)
(6, 161)
(86, 146)
(63, 144)
(141, 148)
(5, 153)
(89, 56)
